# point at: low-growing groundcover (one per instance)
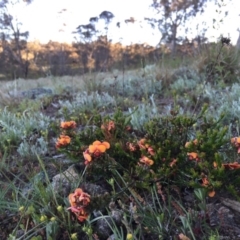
(145, 176)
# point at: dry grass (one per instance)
(49, 82)
(10, 91)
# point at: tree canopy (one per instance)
(171, 14)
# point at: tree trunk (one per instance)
(238, 41)
(174, 38)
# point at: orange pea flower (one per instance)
(145, 146)
(195, 142)
(181, 236)
(108, 126)
(192, 156)
(87, 156)
(215, 164)
(80, 213)
(230, 166)
(236, 142)
(211, 193)
(173, 162)
(206, 183)
(150, 151)
(79, 198)
(97, 148)
(78, 201)
(63, 141)
(131, 146)
(234, 165)
(146, 161)
(142, 143)
(68, 125)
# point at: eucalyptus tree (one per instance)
(93, 43)
(13, 42)
(172, 14)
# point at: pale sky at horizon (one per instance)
(44, 22)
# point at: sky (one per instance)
(56, 19)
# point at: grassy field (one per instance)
(150, 153)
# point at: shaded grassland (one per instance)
(154, 152)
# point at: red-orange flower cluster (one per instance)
(192, 155)
(68, 125)
(145, 146)
(95, 150)
(108, 126)
(79, 200)
(131, 146)
(236, 142)
(173, 162)
(194, 142)
(63, 141)
(146, 161)
(229, 166)
(234, 165)
(206, 183)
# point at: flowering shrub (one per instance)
(162, 153)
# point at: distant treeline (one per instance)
(34, 60)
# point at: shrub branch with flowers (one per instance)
(174, 152)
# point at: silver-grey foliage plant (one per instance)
(85, 101)
(17, 127)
